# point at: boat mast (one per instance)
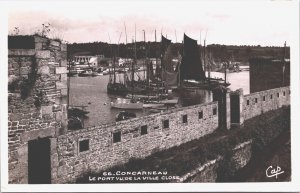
(225, 72)
(114, 66)
(118, 53)
(156, 59)
(284, 54)
(208, 65)
(146, 64)
(125, 64)
(111, 55)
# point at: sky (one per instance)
(266, 23)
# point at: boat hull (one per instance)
(152, 105)
(127, 105)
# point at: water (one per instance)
(237, 80)
(90, 92)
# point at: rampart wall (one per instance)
(139, 137)
(37, 97)
(257, 103)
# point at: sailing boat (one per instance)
(191, 73)
(114, 87)
(125, 103)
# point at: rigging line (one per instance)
(125, 32)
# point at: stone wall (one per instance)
(37, 98)
(257, 103)
(241, 155)
(207, 172)
(140, 137)
(212, 170)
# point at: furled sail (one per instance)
(164, 44)
(170, 74)
(150, 71)
(191, 65)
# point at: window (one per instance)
(271, 96)
(166, 123)
(284, 93)
(184, 119)
(84, 145)
(117, 137)
(144, 130)
(214, 111)
(248, 102)
(255, 100)
(264, 98)
(278, 94)
(200, 115)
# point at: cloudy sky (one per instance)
(222, 22)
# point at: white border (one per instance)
(184, 187)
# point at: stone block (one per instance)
(64, 92)
(63, 63)
(64, 78)
(38, 45)
(63, 47)
(21, 52)
(39, 39)
(42, 54)
(54, 43)
(23, 151)
(61, 85)
(48, 132)
(46, 110)
(30, 135)
(61, 70)
(53, 144)
(58, 116)
(44, 70)
(53, 63)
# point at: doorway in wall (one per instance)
(39, 163)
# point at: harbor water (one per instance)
(90, 94)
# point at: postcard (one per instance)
(152, 95)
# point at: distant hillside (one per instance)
(218, 52)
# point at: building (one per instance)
(268, 73)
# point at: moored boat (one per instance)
(124, 115)
(88, 72)
(122, 103)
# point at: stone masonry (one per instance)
(37, 98)
(103, 152)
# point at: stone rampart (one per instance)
(135, 138)
(37, 98)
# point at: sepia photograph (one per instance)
(149, 92)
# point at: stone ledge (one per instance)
(41, 133)
(61, 70)
(21, 52)
(40, 39)
(54, 43)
